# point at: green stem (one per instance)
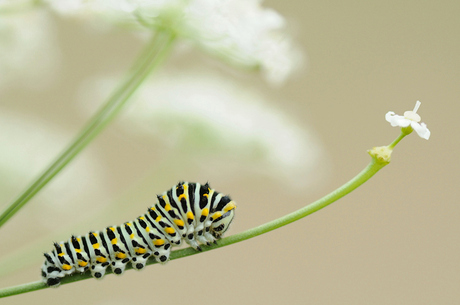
(154, 54)
(362, 177)
(396, 141)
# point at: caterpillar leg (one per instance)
(139, 262)
(199, 235)
(117, 249)
(118, 266)
(98, 253)
(142, 254)
(155, 240)
(162, 251)
(190, 239)
(98, 270)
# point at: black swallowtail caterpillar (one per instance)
(189, 211)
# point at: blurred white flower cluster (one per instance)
(198, 117)
(241, 32)
(235, 120)
(28, 51)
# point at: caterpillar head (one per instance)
(221, 224)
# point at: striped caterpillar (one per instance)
(189, 211)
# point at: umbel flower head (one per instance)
(240, 32)
(410, 121)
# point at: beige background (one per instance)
(395, 240)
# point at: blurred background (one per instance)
(273, 147)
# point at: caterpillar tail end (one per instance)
(53, 282)
(50, 280)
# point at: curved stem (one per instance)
(153, 55)
(359, 179)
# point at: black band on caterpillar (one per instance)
(189, 211)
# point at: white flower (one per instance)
(240, 32)
(244, 33)
(201, 117)
(410, 118)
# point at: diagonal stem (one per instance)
(355, 182)
(154, 53)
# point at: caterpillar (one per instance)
(188, 211)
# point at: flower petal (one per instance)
(403, 122)
(396, 120)
(421, 130)
(389, 115)
(391, 118)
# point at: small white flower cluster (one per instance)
(241, 32)
(410, 118)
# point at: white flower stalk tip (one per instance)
(410, 118)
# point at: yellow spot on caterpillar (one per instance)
(78, 239)
(159, 242)
(206, 195)
(141, 250)
(147, 229)
(78, 250)
(101, 259)
(190, 215)
(131, 236)
(141, 218)
(230, 207)
(168, 207)
(120, 255)
(61, 254)
(169, 230)
(205, 212)
(158, 219)
(179, 222)
(216, 215)
(128, 223)
(112, 228)
(152, 208)
(114, 241)
(96, 246)
(95, 234)
(182, 196)
(82, 264)
(66, 267)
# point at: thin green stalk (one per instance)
(374, 166)
(396, 141)
(153, 55)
